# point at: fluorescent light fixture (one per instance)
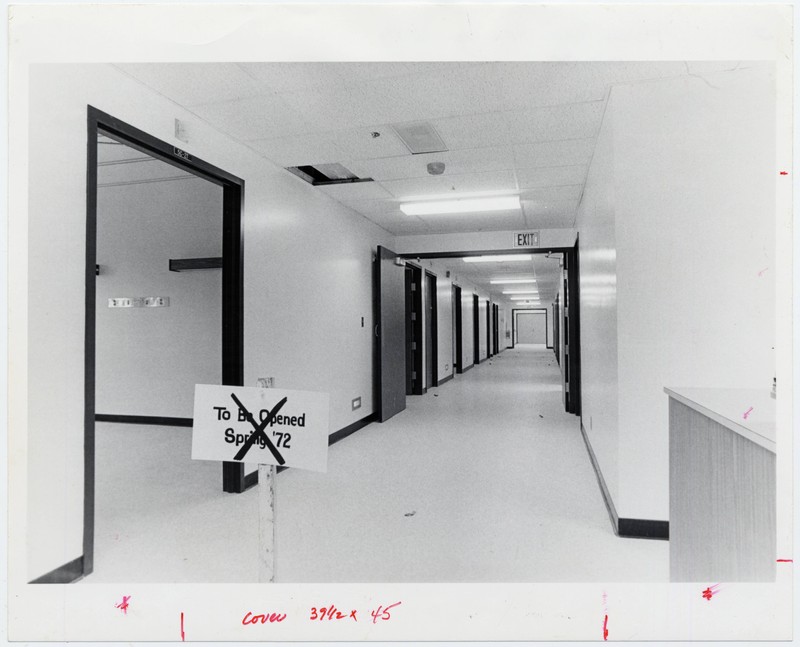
(469, 205)
(501, 281)
(523, 299)
(533, 291)
(499, 258)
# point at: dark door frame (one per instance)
(458, 332)
(414, 299)
(476, 332)
(489, 352)
(430, 286)
(570, 255)
(233, 479)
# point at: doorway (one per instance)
(489, 352)
(105, 127)
(458, 342)
(431, 332)
(476, 336)
(414, 314)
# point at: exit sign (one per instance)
(526, 239)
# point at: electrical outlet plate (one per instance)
(356, 403)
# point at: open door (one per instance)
(391, 332)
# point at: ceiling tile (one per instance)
(325, 111)
(492, 221)
(263, 117)
(298, 151)
(568, 152)
(498, 158)
(452, 185)
(554, 215)
(192, 84)
(359, 144)
(570, 121)
(359, 73)
(290, 77)
(566, 194)
(550, 176)
(474, 131)
(355, 191)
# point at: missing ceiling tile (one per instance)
(326, 174)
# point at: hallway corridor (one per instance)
(484, 479)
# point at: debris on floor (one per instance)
(541, 416)
(410, 514)
(435, 395)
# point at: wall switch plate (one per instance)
(266, 382)
(356, 403)
(156, 302)
(120, 302)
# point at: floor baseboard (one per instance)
(64, 574)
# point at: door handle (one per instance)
(376, 330)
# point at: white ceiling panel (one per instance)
(492, 221)
(568, 152)
(570, 121)
(298, 151)
(464, 88)
(498, 158)
(290, 77)
(334, 108)
(535, 178)
(474, 131)
(262, 117)
(398, 223)
(454, 186)
(360, 73)
(355, 191)
(528, 85)
(359, 144)
(567, 194)
(192, 84)
(553, 215)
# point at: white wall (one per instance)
(149, 359)
(688, 179)
(595, 221)
(308, 269)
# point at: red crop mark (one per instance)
(605, 628)
(784, 173)
(123, 606)
(747, 413)
(710, 591)
(762, 271)
(784, 560)
(183, 635)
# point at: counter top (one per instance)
(728, 408)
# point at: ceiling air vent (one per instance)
(326, 174)
(420, 137)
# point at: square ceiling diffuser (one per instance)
(420, 137)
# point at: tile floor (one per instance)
(483, 479)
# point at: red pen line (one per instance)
(605, 628)
(784, 560)
(183, 636)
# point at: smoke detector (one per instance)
(435, 168)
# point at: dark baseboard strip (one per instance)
(351, 428)
(634, 528)
(444, 379)
(612, 511)
(144, 420)
(467, 368)
(64, 574)
(251, 479)
(643, 529)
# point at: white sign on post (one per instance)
(265, 426)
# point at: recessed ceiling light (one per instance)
(466, 205)
(498, 258)
(501, 281)
(520, 292)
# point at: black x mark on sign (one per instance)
(259, 431)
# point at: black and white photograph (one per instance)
(311, 336)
